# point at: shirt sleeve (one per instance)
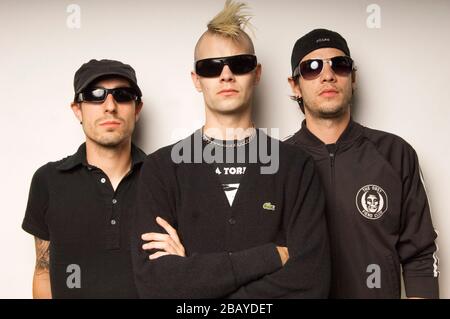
(213, 275)
(34, 221)
(307, 272)
(416, 247)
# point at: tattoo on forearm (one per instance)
(42, 255)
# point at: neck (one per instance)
(236, 126)
(327, 130)
(114, 161)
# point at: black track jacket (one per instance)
(377, 213)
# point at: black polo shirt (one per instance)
(74, 206)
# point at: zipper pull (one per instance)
(332, 159)
(331, 148)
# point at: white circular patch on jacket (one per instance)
(372, 201)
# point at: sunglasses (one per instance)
(311, 69)
(99, 95)
(238, 64)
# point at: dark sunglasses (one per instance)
(98, 95)
(238, 64)
(311, 69)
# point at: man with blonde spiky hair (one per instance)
(215, 218)
(229, 23)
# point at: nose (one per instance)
(110, 104)
(328, 74)
(226, 75)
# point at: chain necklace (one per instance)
(243, 142)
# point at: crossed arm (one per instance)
(170, 244)
(176, 275)
(252, 272)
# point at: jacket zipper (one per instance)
(332, 155)
(332, 149)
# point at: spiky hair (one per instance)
(231, 21)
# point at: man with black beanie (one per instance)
(377, 210)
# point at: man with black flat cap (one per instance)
(79, 207)
(377, 209)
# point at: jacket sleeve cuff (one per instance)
(422, 287)
(253, 263)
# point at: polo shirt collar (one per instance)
(79, 158)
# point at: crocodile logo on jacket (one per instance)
(372, 201)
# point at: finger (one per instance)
(154, 237)
(173, 235)
(158, 254)
(161, 245)
(169, 229)
(164, 238)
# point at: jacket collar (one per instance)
(79, 158)
(352, 132)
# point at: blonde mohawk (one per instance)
(231, 21)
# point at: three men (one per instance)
(79, 208)
(377, 210)
(237, 232)
(241, 228)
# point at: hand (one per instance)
(169, 243)
(284, 254)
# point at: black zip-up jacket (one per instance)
(377, 213)
(231, 251)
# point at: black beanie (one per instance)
(316, 39)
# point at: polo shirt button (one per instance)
(103, 180)
(232, 221)
(114, 201)
(113, 222)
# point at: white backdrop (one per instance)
(400, 46)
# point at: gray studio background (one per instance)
(401, 48)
